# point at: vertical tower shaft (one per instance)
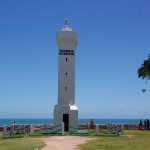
(66, 110)
(67, 41)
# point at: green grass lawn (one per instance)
(133, 140)
(20, 144)
(24, 143)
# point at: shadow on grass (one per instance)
(12, 137)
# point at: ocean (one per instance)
(82, 121)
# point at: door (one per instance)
(66, 121)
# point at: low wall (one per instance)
(81, 126)
(104, 126)
(36, 126)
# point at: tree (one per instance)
(144, 70)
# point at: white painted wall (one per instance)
(66, 40)
(73, 116)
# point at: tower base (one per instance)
(67, 114)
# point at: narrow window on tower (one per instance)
(66, 89)
(66, 59)
(66, 74)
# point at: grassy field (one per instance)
(18, 143)
(133, 140)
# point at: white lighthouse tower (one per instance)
(66, 110)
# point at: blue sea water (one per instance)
(50, 121)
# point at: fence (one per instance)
(116, 129)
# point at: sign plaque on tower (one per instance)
(66, 110)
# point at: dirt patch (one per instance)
(64, 142)
(130, 136)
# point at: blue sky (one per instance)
(113, 41)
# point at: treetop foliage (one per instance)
(144, 70)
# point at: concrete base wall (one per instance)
(72, 110)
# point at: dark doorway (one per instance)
(66, 121)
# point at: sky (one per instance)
(113, 41)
